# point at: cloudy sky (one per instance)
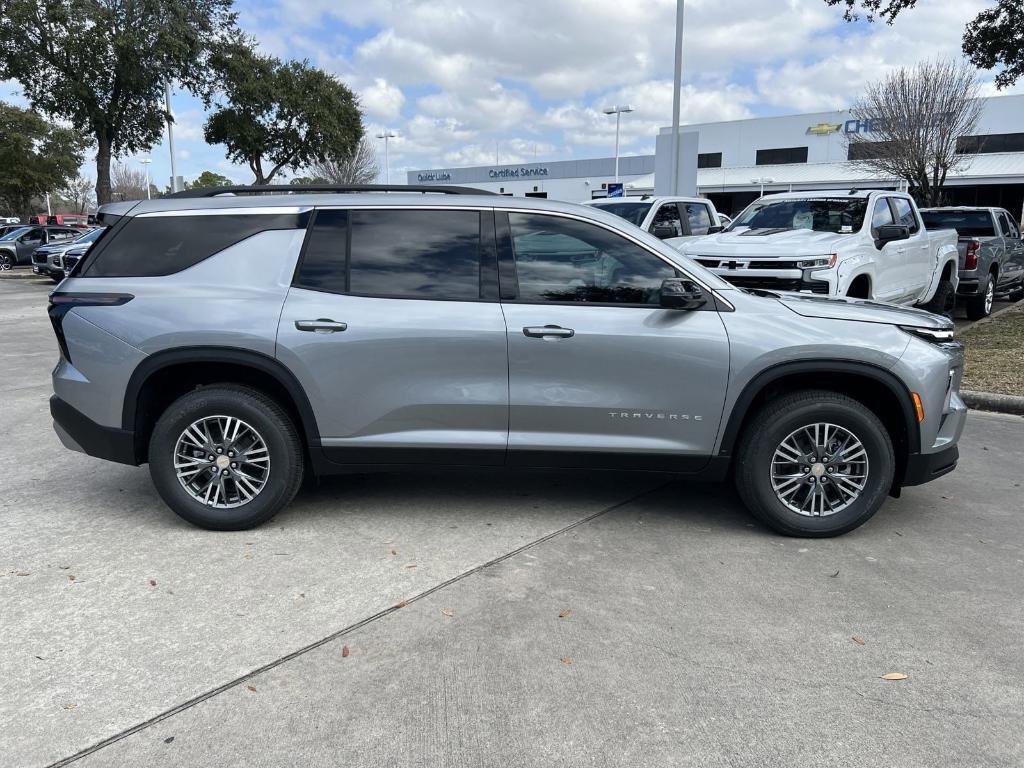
(462, 83)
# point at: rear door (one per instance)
(599, 374)
(394, 330)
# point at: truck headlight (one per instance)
(821, 262)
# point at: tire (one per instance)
(7, 261)
(775, 424)
(1016, 294)
(981, 305)
(56, 279)
(272, 482)
(944, 300)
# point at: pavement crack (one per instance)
(224, 687)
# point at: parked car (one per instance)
(49, 259)
(9, 220)
(338, 333)
(76, 252)
(7, 228)
(671, 219)
(861, 244)
(17, 246)
(991, 254)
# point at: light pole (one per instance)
(386, 134)
(677, 87)
(617, 111)
(146, 161)
(762, 181)
(170, 138)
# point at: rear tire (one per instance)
(981, 305)
(766, 482)
(198, 433)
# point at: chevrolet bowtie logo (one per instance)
(736, 264)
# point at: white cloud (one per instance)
(382, 100)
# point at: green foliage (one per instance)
(210, 179)
(35, 158)
(298, 180)
(275, 116)
(994, 38)
(102, 64)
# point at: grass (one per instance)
(995, 354)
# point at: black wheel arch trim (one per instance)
(766, 377)
(214, 354)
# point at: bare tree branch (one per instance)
(917, 115)
(360, 167)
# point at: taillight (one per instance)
(971, 256)
(61, 303)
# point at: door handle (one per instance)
(320, 325)
(548, 332)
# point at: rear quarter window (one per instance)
(154, 246)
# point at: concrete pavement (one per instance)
(550, 619)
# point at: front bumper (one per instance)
(925, 467)
(80, 433)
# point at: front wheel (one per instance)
(6, 261)
(814, 464)
(225, 457)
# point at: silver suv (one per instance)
(236, 341)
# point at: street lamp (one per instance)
(617, 111)
(386, 134)
(762, 181)
(146, 161)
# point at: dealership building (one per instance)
(731, 162)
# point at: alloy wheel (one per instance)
(222, 461)
(990, 297)
(819, 469)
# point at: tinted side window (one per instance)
(668, 216)
(881, 215)
(152, 246)
(699, 217)
(325, 261)
(904, 213)
(564, 260)
(1004, 225)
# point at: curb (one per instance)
(20, 274)
(990, 401)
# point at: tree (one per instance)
(36, 158)
(995, 36)
(357, 167)
(917, 116)
(210, 179)
(103, 64)
(77, 196)
(127, 183)
(281, 115)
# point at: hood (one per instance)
(861, 310)
(762, 243)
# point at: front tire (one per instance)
(225, 457)
(7, 261)
(981, 305)
(814, 464)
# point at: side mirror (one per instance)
(664, 231)
(715, 229)
(680, 293)
(888, 233)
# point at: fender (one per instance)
(776, 372)
(211, 354)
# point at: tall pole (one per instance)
(146, 161)
(677, 87)
(618, 119)
(386, 134)
(170, 138)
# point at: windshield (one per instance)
(840, 215)
(15, 233)
(634, 213)
(966, 223)
(88, 237)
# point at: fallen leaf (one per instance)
(168, 740)
(833, 575)
(394, 551)
(251, 688)
(344, 651)
(564, 613)
(857, 640)
(71, 577)
(402, 604)
(70, 706)
(302, 594)
(565, 660)
(152, 582)
(894, 676)
(447, 612)
(40, 658)
(23, 573)
(411, 565)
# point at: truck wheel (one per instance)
(981, 305)
(225, 457)
(944, 300)
(814, 464)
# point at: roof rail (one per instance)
(280, 189)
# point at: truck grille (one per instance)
(69, 262)
(39, 257)
(772, 284)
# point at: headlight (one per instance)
(935, 336)
(822, 262)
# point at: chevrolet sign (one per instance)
(824, 129)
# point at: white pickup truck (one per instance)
(673, 219)
(863, 244)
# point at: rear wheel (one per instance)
(225, 457)
(981, 305)
(814, 464)
(944, 300)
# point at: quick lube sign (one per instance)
(434, 176)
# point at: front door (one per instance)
(599, 374)
(393, 328)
